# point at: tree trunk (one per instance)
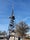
(18, 38)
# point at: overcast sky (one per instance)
(21, 12)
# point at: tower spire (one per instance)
(12, 14)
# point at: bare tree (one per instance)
(21, 29)
(4, 32)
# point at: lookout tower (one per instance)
(11, 24)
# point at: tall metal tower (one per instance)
(12, 19)
(11, 25)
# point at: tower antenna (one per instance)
(13, 5)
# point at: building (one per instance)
(3, 36)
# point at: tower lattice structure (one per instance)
(11, 25)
